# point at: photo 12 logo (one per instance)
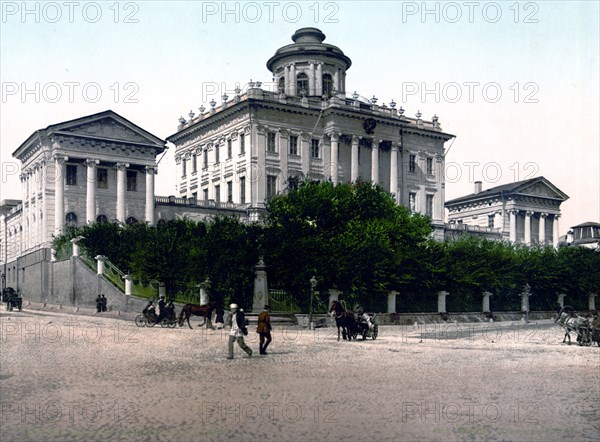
(470, 12)
(269, 12)
(69, 12)
(69, 92)
(73, 412)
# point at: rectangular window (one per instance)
(183, 168)
(271, 186)
(132, 180)
(217, 159)
(102, 178)
(218, 193)
(242, 143)
(205, 158)
(491, 221)
(412, 201)
(229, 150)
(243, 190)
(71, 175)
(229, 192)
(412, 163)
(429, 166)
(314, 148)
(194, 196)
(293, 145)
(429, 206)
(205, 194)
(194, 163)
(271, 142)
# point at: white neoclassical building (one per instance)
(96, 168)
(526, 212)
(260, 142)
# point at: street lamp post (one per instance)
(3, 276)
(313, 285)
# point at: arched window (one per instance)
(327, 85)
(101, 219)
(281, 86)
(131, 221)
(302, 84)
(71, 219)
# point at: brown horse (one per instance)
(343, 319)
(204, 311)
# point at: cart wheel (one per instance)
(151, 322)
(164, 323)
(375, 331)
(172, 324)
(140, 320)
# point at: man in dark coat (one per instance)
(104, 302)
(264, 329)
(99, 304)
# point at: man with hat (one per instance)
(264, 329)
(238, 325)
(162, 309)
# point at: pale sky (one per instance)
(516, 82)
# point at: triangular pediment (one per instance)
(541, 188)
(108, 126)
(108, 129)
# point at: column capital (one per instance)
(543, 214)
(513, 211)
(121, 165)
(557, 216)
(529, 213)
(151, 169)
(376, 142)
(356, 138)
(91, 162)
(60, 158)
(335, 136)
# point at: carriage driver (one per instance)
(149, 310)
(162, 309)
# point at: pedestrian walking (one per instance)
(264, 329)
(238, 330)
(98, 303)
(103, 301)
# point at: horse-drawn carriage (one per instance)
(149, 319)
(12, 299)
(352, 325)
(586, 330)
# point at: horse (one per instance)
(571, 322)
(204, 311)
(343, 319)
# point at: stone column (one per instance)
(311, 79)
(592, 301)
(162, 289)
(204, 297)
(528, 215)
(121, 186)
(334, 158)
(542, 229)
(90, 185)
(334, 295)
(391, 308)
(375, 161)
(261, 289)
(442, 301)
(286, 76)
(394, 171)
(525, 298)
(319, 80)
(513, 225)
(150, 171)
(59, 196)
(128, 285)
(354, 166)
(486, 302)
(555, 230)
(100, 268)
(293, 80)
(561, 299)
(336, 81)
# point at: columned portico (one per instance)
(121, 183)
(90, 206)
